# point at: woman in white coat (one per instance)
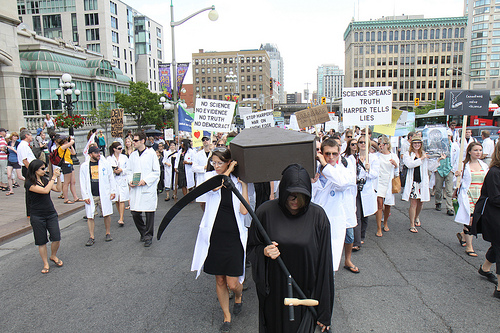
(119, 164)
(417, 180)
(168, 162)
(222, 237)
(366, 198)
(470, 189)
(184, 167)
(388, 165)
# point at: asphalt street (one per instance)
(408, 282)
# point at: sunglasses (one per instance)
(349, 137)
(331, 154)
(217, 164)
(136, 140)
(221, 145)
(119, 148)
(205, 139)
(353, 144)
(361, 142)
(43, 168)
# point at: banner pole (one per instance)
(461, 153)
(367, 144)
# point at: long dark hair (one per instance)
(495, 158)
(186, 145)
(113, 146)
(224, 154)
(32, 169)
(467, 152)
(348, 149)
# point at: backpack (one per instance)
(55, 159)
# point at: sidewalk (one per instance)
(13, 221)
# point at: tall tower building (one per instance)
(483, 41)
(410, 53)
(277, 71)
(131, 40)
(330, 79)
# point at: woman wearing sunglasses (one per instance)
(43, 216)
(222, 237)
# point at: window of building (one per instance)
(158, 32)
(92, 34)
(113, 8)
(116, 51)
(90, 4)
(114, 22)
(37, 25)
(92, 19)
(158, 53)
(114, 37)
(94, 47)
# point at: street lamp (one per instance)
(232, 79)
(64, 94)
(213, 16)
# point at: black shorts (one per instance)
(42, 224)
(67, 168)
(15, 165)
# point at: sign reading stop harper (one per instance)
(367, 106)
(213, 115)
(466, 102)
(259, 119)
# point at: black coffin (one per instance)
(263, 153)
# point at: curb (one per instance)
(20, 227)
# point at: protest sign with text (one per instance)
(312, 116)
(213, 115)
(168, 134)
(367, 106)
(259, 119)
(466, 102)
(117, 123)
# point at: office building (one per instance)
(277, 71)
(330, 79)
(252, 70)
(483, 40)
(295, 98)
(410, 53)
(132, 41)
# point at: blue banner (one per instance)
(185, 119)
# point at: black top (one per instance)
(487, 208)
(416, 174)
(94, 178)
(40, 204)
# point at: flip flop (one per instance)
(9, 193)
(471, 253)
(352, 269)
(386, 229)
(121, 224)
(45, 270)
(414, 230)
(79, 200)
(58, 263)
(460, 239)
(69, 202)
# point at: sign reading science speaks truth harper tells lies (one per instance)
(367, 106)
(212, 115)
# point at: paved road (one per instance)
(408, 282)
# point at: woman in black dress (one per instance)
(43, 214)
(221, 243)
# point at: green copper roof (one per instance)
(410, 23)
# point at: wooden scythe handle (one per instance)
(305, 302)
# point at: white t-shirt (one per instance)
(24, 152)
(49, 122)
(488, 147)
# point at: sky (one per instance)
(307, 33)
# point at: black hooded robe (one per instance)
(305, 245)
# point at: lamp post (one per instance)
(213, 16)
(64, 94)
(232, 79)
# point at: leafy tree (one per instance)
(141, 103)
(102, 115)
(430, 106)
(496, 100)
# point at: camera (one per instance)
(361, 183)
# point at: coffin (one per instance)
(263, 153)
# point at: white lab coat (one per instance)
(463, 212)
(389, 199)
(188, 157)
(454, 152)
(350, 196)
(122, 190)
(107, 186)
(368, 194)
(144, 198)
(200, 161)
(207, 223)
(169, 170)
(330, 197)
(411, 163)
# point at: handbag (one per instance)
(396, 185)
(404, 172)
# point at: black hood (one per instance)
(294, 179)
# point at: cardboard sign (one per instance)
(435, 141)
(389, 129)
(168, 134)
(466, 102)
(213, 115)
(367, 106)
(259, 119)
(312, 116)
(117, 123)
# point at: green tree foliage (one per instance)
(102, 115)
(496, 100)
(430, 106)
(142, 104)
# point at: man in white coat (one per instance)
(98, 186)
(200, 161)
(143, 165)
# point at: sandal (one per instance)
(16, 185)
(471, 253)
(121, 224)
(460, 239)
(386, 229)
(9, 193)
(356, 248)
(4, 188)
(45, 270)
(413, 229)
(79, 200)
(352, 269)
(61, 196)
(68, 202)
(58, 262)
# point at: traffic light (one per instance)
(417, 101)
(271, 84)
(323, 100)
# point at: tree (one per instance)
(102, 115)
(141, 103)
(496, 100)
(430, 106)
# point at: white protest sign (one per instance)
(293, 123)
(333, 123)
(212, 115)
(367, 106)
(259, 119)
(168, 133)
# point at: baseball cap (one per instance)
(94, 149)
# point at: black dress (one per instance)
(181, 172)
(225, 254)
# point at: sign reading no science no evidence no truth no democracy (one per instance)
(367, 106)
(212, 115)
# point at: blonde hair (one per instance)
(386, 140)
